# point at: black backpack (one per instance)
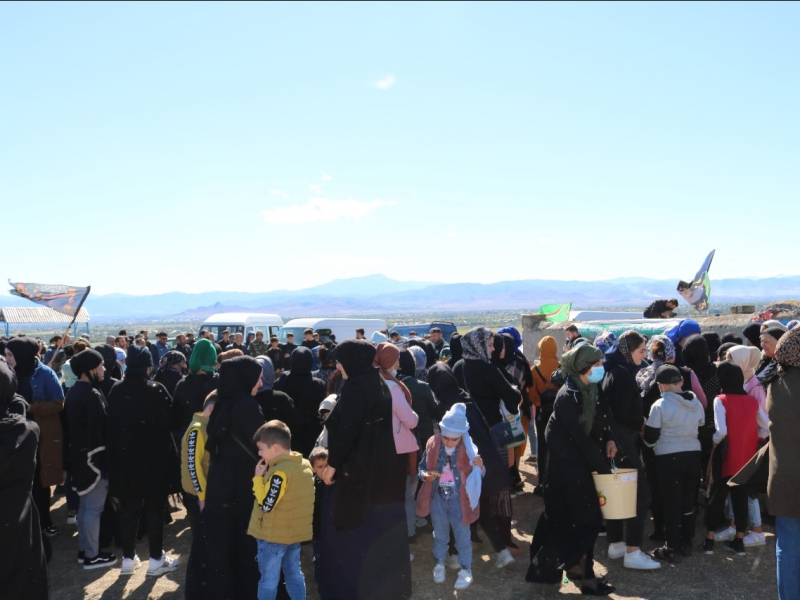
(547, 397)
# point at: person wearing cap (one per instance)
(671, 430)
(87, 415)
(767, 369)
(451, 470)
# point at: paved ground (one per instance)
(722, 575)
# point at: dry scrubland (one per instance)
(722, 575)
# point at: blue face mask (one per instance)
(596, 374)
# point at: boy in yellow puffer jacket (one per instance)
(283, 512)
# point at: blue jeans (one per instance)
(89, 511)
(753, 511)
(533, 440)
(411, 505)
(787, 552)
(271, 559)
(444, 515)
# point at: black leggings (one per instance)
(632, 528)
(678, 476)
(131, 512)
(494, 525)
(41, 497)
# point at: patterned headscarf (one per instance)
(647, 376)
(606, 341)
(622, 346)
(474, 344)
(267, 373)
(170, 361)
(787, 352)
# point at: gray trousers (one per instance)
(89, 511)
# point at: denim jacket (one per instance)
(45, 384)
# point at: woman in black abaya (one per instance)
(578, 438)
(23, 571)
(364, 531)
(226, 568)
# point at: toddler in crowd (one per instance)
(282, 516)
(451, 469)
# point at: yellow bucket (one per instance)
(617, 493)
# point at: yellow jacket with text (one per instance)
(284, 506)
(194, 458)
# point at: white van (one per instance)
(243, 323)
(343, 329)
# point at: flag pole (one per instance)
(75, 316)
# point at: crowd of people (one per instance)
(362, 446)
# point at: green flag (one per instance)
(556, 313)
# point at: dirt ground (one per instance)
(723, 575)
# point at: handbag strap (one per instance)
(546, 383)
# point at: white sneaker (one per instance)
(72, 520)
(410, 558)
(755, 539)
(617, 550)
(725, 535)
(167, 564)
(504, 559)
(438, 573)
(640, 560)
(464, 580)
(452, 562)
(129, 565)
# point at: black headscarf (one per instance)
(139, 359)
(430, 351)
(301, 362)
(25, 351)
(8, 386)
(713, 342)
(237, 377)
(407, 364)
(498, 346)
(723, 350)
(731, 378)
(753, 334)
(731, 337)
(444, 385)
(455, 350)
(109, 354)
(695, 355)
(355, 356)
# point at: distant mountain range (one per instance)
(377, 294)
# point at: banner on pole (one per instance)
(65, 299)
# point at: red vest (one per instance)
(740, 416)
(468, 516)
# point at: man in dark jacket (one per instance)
(182, 346)
(143, 460)
(86, 411)
(288, 348)
(661, 309)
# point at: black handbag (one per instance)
(548, 396)
(501, 432)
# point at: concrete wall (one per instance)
(535, 327)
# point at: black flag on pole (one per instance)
(65, 299)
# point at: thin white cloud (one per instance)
(385, 83)
(452, 234)
(325, 177)
(323, 209)
(544, 240)
(315, 188)
(279, 193)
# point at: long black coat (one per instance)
(141, 452)
(277, 405)
(190, 394)
(487, 386)
(23, 570)
(307, 393)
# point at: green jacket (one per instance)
(258, 348)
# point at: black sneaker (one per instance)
(81, 556)
(708, 546)
(50, 531)
(736, 545)
(667, 555)
(104, 559)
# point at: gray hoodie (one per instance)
(673, 423)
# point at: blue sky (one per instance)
(159, 147)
